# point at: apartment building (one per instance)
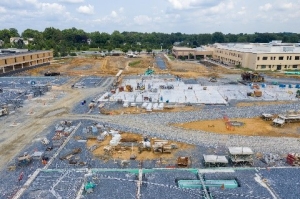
(259, 56)
(16, 59)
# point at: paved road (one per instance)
(160, 62)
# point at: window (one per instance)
(269, 66)
(265, 58)
(281, 58)
(257, 58)
(288, 57)
(297, 57)
(273, 58)
(295, 66)
(263, 66)
(285, 66)
(23, 58)
(15, 60)
(5, 61)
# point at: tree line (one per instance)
(62, 42)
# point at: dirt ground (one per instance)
(187, 69)
(97, 66)
(123, 153)
(244, 104)
(252, 127)
(138, 110)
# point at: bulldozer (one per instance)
(252, 77)
(4, 110)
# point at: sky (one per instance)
(167, 16)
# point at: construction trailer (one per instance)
(215, 161)
(287, 118)
(241, 155)
(162, 146)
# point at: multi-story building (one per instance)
(259, 56)
(256, 56)
(17, 59)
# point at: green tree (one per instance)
(218, 37)
(14, 32)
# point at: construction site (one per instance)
(148, 127)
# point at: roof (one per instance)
(267, 115)
(182, 48)
(13, 54)
(240, 151)
(215, 159)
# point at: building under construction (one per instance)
(17, 60)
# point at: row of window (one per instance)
(277, 66)
(230, 53)
(280, 58)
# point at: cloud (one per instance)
(71, 1)
(121, 9)
(188, 4)
(113, 17)
(265, 7)
(286, 6)
(242, 11)
(113, 13)
(2, 9)
(142, 19)
(49, 7)
(89, 9)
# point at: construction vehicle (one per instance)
(298, 94)
(256, 93)
(69, 154)
(129, 88)
(149, 71)
(293, 159)
(24, 160)
(4, 110)
(252, 77)
(213, 79)
(182, 161)
(49, 73)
